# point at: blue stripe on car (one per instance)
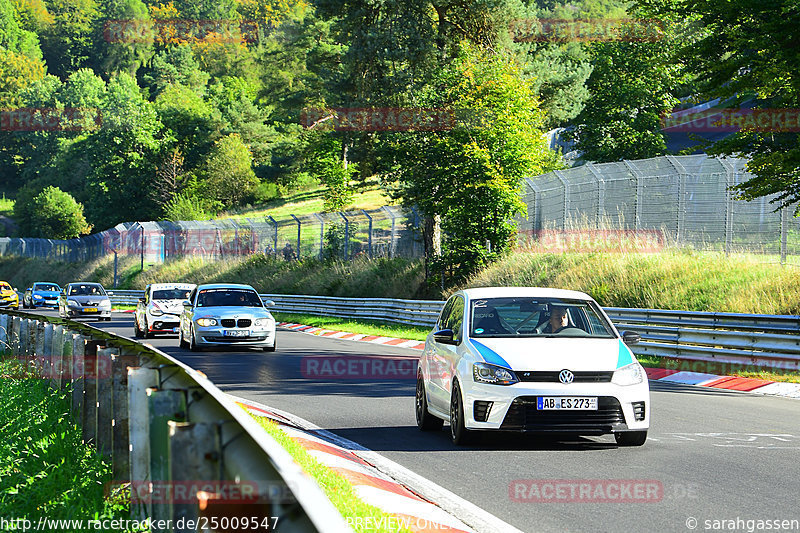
(625, 355)
(489, 355)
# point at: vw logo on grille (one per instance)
(565, 376)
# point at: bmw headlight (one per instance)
(496, 375)
(631, 374)
(262, 321)
(73, 303)
(37, 297)
(206, 322)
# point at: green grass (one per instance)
(45, 469)
(308, 202)
(6, 206)
(336, 487)
(367, 327)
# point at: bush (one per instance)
(185, 206)
(51, 214)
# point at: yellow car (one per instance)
(8, 296)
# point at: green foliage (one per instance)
(51, 214)
(326, 161)
(68, 42)
(742, 49)
(185, 206)
(229, 175)
(470, 175)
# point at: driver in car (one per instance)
(558, 320)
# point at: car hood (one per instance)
(231, 312)
(88, 300)
(47, 294)
(554, 354)
(172, 307)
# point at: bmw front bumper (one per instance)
(261, 337)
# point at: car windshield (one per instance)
(86, 290)
(46, 287)
(537, 317)
(5, 287)
(171, 294)
(228, 298)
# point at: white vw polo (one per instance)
(531, 360)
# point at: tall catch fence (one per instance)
(383, 232)
(670, 200)
(675, 200)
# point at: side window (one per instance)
(456, 319)
(191, 296)
(445, 314)
(147, 295)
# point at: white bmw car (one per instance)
(227, 314)
(528, 359)
(159, 311)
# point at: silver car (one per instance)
(84, 300)
(226, 314)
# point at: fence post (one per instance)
(105, 401)
(299, 224)
(601, 193)
(567, 191)
(784, 243)
(275, 237)
(369, 234)
(89, 418)
(195, 452)
(56, 355)
(120, 447)
(321, 235)
(77, 374)
(140, 379)
(4, 338)
(65, 372)
(394, 231)
(346, 234)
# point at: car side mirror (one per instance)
(269, 303)
(445, 336)
(141, 300)
(29, 289)
(187, 304)
(629, 337)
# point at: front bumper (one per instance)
(44, 303)
(513, 408)
(78, 312)
(215, 336)
(9, 303)
(164, 323)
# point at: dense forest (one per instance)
(146, 109)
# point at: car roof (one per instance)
(157, 286)
(225, 286)
(85, 283)
(44, 283)
(524, 292)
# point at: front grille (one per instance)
(552, 377)
(165, 325)
(638, 411)
(481, 409)
(228, 323)
(244, 323)
(523, 415)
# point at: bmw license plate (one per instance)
(89, 309)
(567, 403)
(235, 333)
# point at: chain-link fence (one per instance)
(676, 200)
(383, 232)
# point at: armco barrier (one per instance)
(164, 425)
(742, 339)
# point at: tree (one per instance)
(749, 48)
(229, 174)
(633, 85)
(68, 43)
(324, 161)
(52, 214)
(469, 175)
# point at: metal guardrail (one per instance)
(730, 338)
(166, 427)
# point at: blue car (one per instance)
(41, 294)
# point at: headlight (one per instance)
(206, 322)
(497, 375)
(262, 321)
(37, 296)
(73, 303)
(631, 374)
(105, 304)
(155, 311)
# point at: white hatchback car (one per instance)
(529, 359)
(159, 311)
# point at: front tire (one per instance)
(425, 420)
(181, 341)
(137, 332)
(193, 347)
(631, 438)
(459, 434)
